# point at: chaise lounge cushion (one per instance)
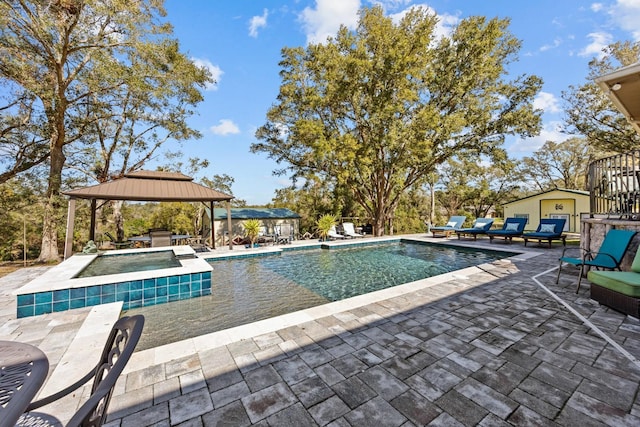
(624, 282)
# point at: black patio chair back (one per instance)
(117, 351)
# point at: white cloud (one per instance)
(550, 132)
(548, 102)
(596, 7)
(216, 72)
(599, 40)
(556, 42)
(325, 19)
(626, 14)
(226, 127)
(258, 22)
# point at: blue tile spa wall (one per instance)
(138, 293)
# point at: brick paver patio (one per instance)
(504, 352)
(495, 348)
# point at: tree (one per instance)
(469, 185)
(376, 110)
(223, 183)
(590, 112)
(21, 148)
(77, 59)
(560, 165)
(311, 201)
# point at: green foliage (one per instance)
(590, 112)
(324, 224)
(223, 183)
(17, 226)
(98, 81)
(252, 229)
(375, 111)
(471, 187)
(560, 165)
(175, 216)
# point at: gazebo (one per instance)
(143, 186)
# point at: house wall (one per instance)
(237, 228)
(548, 205)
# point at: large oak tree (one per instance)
(377, 109)
(82, 61)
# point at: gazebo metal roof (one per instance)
(150, 186)
(147, 186)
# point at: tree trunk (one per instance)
(49, 246)
(118, 219)
(433, 204)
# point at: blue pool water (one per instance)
(250, 289)
(127, 263)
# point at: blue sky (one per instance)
(240, 42)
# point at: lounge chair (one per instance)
(349, 230)
(512, 227)
(454, 223)
(619, 290)
(264, 237)
(284, 234)
(480, 226)
(549, 229)
(609, 256)
(334, 235)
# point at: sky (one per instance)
(240, 42)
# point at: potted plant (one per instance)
(324, 224)
(252, 229)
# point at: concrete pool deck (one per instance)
(497, 345)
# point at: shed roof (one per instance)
(255, 213)
(562, 190)
(150, 186)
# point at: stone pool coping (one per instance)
(62, 275)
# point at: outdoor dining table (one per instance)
(23, 369)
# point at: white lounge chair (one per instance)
(349, 230)
(333, 234)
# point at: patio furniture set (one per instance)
(24, 367)
(549, 229)
(610, 285)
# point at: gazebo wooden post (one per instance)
(213, 223)
(92, 227)
(229, 225)
(71, 218)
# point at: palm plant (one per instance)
(252, 229)
(324, 224)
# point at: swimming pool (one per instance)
(251, 289)
(106, 264)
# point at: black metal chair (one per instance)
(117, 351)
(117, 244)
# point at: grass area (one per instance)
(7, 267)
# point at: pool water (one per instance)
(250, 289)
(127, 263)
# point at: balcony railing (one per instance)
(614, 186)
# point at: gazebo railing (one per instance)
(614, 186)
